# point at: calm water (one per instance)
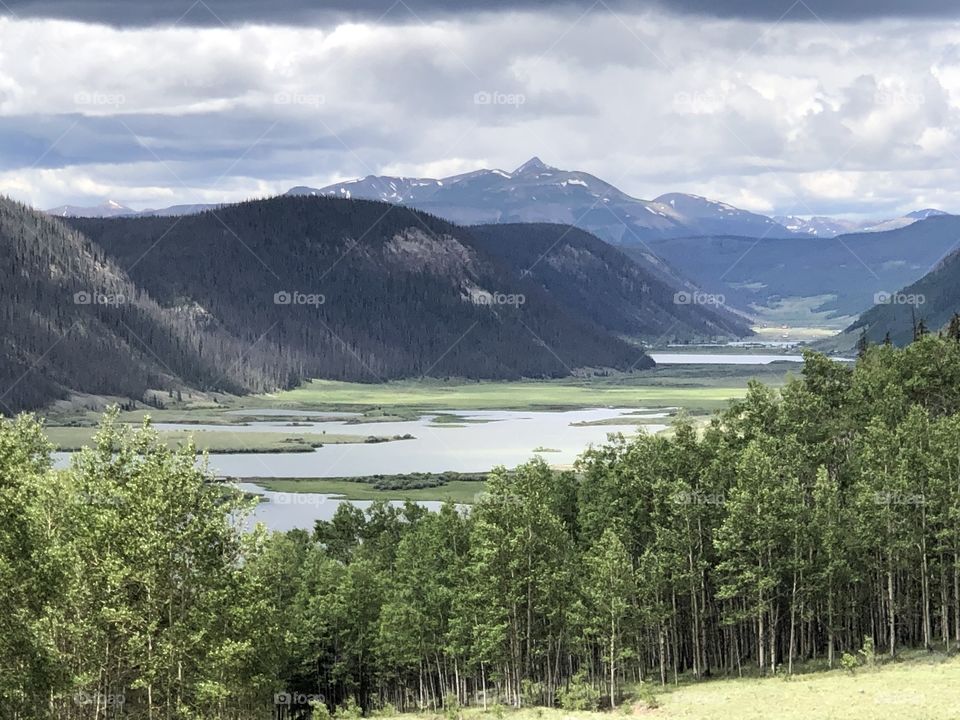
(489, 438)
(486, 439)
(704, 358)
(288, 511)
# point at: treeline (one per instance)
(804, 523)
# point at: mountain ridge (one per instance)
(538, 192)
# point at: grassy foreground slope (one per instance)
(924, 687)
(918, 690)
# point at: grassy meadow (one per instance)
(216, 441)
(918, 688)
(696, 388)
(700, 390)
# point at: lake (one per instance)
(289, 511)
(475, 441)
(486, 439)
(482, 440)
(720, 358)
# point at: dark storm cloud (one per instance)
(230, 12)
(214, 141)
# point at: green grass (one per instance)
(710, 389)
(459, 491)
(457, 420)
(802, 316)
(216, 441)
(918, 689)
(923, 688)
(697, 388)
(625, 420)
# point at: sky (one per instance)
(845, 108)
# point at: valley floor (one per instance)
(213, 421)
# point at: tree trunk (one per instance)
(890, 609)
(793, 624)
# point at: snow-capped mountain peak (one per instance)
(533, 165)
(108, 208)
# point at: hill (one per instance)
(357, 290)
(598, 283)
(830, 278)
(933, 299)
(71, 319)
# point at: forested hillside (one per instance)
(375, 291)
(598, 282)
(266, 294)
(929, 304)
(818, 521)
(71, 319)
(840, 275)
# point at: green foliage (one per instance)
(579, 694)
(386, 711)
(792, 523)
(451, 706)
(350, 710)
(849, 662)
(531, 692)
(320, 711)
(648, 697)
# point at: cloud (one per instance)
(298, 12)
(803, 117)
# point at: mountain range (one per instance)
(111, 208)
(810, 281)
(831, 227)
(537, 192)
(786, 269)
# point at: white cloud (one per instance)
(801, 117)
